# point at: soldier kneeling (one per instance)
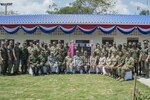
(34, 63)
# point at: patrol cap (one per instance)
(145, 41)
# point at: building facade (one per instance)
(80, 28)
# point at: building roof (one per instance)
(75, 19)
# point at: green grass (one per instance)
(66, 87)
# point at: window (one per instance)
(110, 40)
(83, 44)
(136, 40)
(51, 41)
(34, 41)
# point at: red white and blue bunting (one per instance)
(107, 30)
(68, 29)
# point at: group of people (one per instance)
(112, 60)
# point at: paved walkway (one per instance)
(145, 81)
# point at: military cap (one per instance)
(145, 41)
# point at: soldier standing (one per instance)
(4, 58)
(113, 49)
(10, 56)
(16, 54)
(53, 49)
(24, 58)
(148, 66)
(135, 55)
(143, 56)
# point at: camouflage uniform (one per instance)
(24, 59)
(60, 60)
(4, 59)
(42, 62)
(34, 63)
(16, 53)
(93, 60)
(128, 66)
(10, 58)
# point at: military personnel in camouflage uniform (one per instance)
(143, 56)
(24, 58)
(108, 64)
(148, 65)
(113, 49)
(42, 61)
(86, 63)
(113, 66)
(97, 52)
(60, 60)
(128, 66)
(135, 55)
(53, 49)
(10, 57)
(38, 48)
(31, 48)
(4, 58)
(16, 54)
(34, 62)
(120, 63)
(125, 50)
(77, 63)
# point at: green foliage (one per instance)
(87, 7)
(145, 12)
(141, 96)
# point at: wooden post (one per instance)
(134, 89)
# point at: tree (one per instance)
(145, 12)
(87, 7)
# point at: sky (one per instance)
(41, 6)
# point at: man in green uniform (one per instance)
(42, 61)
(128, 66)
(10, 57)
(120, 63)
(53, 49)
(113, 49)
(16, 54)
(135, 55)
(143, 56)
(4, 58)
(34, 62)
(24, 58)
